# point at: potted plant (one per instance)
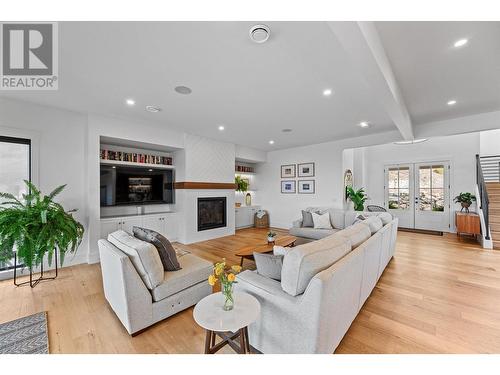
(35, 226)
(241, 186)
(227, 277)
(465, 199)
(271, 236)
(357, 197)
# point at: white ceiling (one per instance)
(256, 90)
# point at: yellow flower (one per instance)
(236, 269)
(231, 277)
(218, 271)
(212, 280)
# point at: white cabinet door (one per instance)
(128, 223)
(170, 225)
(109, 226)
(155, 223)
(239, 217)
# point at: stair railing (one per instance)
(483, 195)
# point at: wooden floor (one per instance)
(438, 295)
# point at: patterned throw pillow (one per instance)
(165, 249)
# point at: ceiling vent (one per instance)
(260, 33)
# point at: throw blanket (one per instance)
(261, 213)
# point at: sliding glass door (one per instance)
(418, 194)
(15, 167)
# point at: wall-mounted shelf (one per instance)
(245, 173)
(132, 164)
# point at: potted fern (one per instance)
(357, 197)
(36, 226)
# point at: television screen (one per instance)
(135, 185)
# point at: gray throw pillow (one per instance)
(269, 265)
(165, 249)
(307, 219)
(358, 219)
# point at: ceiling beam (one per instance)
(363, 45)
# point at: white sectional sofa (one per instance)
(140, 292)
(323, 286)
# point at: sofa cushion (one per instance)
(386, 217)
(269, 265)
(143, 256)
(302, 262)
(312, 233)
(165, 249)
(194, 270)
(280, 250)
(356, 234)
(374, 223)
(321, 221)
(337, 218)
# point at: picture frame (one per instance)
(306, 187)
(306, 170)
(288, 187)
(288, 171)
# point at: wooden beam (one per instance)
(363, 45)
(204, 185)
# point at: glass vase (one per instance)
(227, 292)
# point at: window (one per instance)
(15, 166)
(431, 188)
(399, 188)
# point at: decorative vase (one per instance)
(270, 239)
(465, 205)
(248, 199)
(227, 292)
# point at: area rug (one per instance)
(26, 335)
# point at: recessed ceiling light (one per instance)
(259, 33)
(153, 109)
(411, 142)
(461, 43)
(286, 130)
(130, 102)
(271, 142)
(221, 127)
(184, 90)
(452, 102)
(327, 92)
(364, 124)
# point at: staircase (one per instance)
(493, 189)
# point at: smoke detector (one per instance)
(260, 33)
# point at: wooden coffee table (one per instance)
(247, 251)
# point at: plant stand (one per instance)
(33, 282)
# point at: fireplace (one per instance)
(211, 213)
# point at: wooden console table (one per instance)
(467, 222)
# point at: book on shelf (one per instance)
(134, 157)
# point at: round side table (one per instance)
(228, 325)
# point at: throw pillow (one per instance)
(321, 221)
(279, 250)
(269, 265)
(165, 249)
(358, 219)
(386, 217)
(307, 219)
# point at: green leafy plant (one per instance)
(358, 197)
(241, 184)
(465, 199)
(271, 234)
(35, 225)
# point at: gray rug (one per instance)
(26, 335)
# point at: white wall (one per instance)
(460, 150)
(284, 208)
(490, 143)
(59, 154)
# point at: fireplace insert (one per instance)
(211, 213)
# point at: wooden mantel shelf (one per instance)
(205, 185)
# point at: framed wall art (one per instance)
(288, 187)
(306, 187)
(306, 170)
(288, 171)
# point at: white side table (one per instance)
(228, 325)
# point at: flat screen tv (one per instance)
(121, 185)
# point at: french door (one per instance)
(418, 194)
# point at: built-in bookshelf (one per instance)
(134, 157)
(240, 168)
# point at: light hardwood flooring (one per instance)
(437, 295)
